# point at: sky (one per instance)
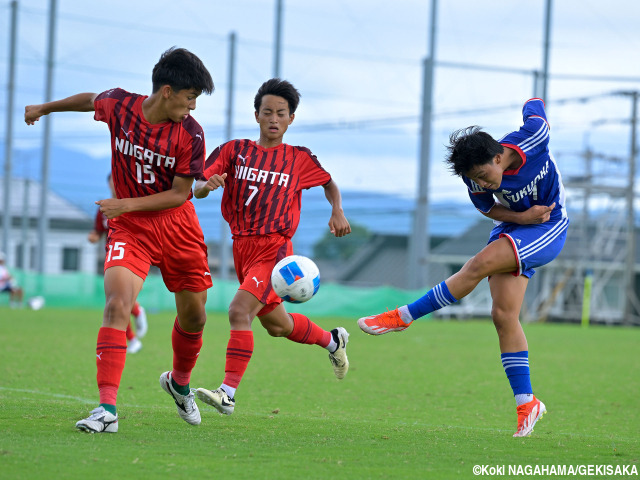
(358, 66)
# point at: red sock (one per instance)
(307, 332)
(135, 311)
(186, 347)
(129, 332)
(111, 353)
(239, 351)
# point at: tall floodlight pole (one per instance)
(631, 296)
(278, 39)
(224, 228)
(8, 145)
(43, 226)
(419, 247)
(547, 45)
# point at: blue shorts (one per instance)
(534, 245)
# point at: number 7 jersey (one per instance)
(262, 192)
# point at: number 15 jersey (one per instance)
(146, 157)
(263, 188)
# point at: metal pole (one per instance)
(536, 84)
(278, 38)
(631, 298)
(8, 145)
(547, 43)
(26, 251)
(224, 228)
(43, 226)
(419, 247)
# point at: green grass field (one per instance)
(430, 402)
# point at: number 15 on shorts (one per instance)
(116, 251)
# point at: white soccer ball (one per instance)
(295, 278)
(36, 303)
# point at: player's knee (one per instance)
(238, 318)
(116, 312)
(504, 320)
(477, 268)
(194, 320)
(277, 330)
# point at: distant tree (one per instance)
(332, 248)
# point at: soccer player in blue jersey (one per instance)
(530, 230)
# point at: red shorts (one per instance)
(169, 239)
(254, 258)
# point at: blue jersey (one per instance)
(537, 181)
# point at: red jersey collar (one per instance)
(522, 155)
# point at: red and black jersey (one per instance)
(146, 158)
(263, 188)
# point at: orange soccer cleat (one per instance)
(383, 323)
(528, 414)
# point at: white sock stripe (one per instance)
(504, 364)
(521, 360)
(507, 367)
(438, 296)
(545, 239)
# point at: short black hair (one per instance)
(281, 88)
(470, 147)
(182, 70)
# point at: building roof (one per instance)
(58, 207)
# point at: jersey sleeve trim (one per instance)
(535, 99)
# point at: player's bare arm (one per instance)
(174, 197)
(534, 215)
(202, 188)
(93, 236)
(81, 102)
(338, 223)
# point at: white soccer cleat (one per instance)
(134, 345)
(186, 404)
(217, 398)
(141, 323)
(339, 358)
(100, 421)
(528, 414)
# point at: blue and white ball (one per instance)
(295, 279)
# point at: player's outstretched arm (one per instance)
(202, 188)
(536, 214)
(81, 102)
(338, 223)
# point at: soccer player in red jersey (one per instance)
(157, 151)
(263, 181)
(100, 228)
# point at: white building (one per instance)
(66, 246)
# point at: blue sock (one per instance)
(516, 366)
(435, 299)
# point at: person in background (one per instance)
(9, 284)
